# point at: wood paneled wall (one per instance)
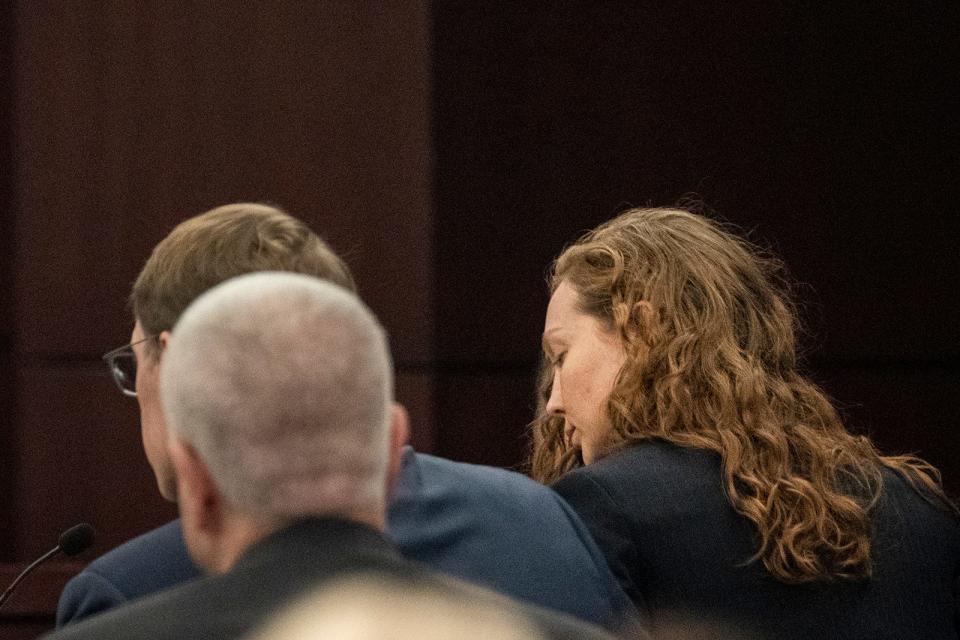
(449, 150)
(129, 118)
(825, 132)
(7, 218)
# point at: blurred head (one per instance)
(375, 607)
(198, 254)
(277, 390)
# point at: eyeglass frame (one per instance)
(110, 357)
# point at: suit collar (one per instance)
(409, 471)
(323, 541)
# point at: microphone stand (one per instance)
(33, 565)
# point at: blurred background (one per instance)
(449, 150)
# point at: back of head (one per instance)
(711, 363)
(376, 607)
(220, 244)
(282, 384)
(703, 282)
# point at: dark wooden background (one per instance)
(449, 150)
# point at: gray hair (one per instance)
(282, 383)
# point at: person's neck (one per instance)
(374, 516)
(242, 532)
(235, 539)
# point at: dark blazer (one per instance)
(487, 526)
(273, 573)
(149, 563)
(660, 515)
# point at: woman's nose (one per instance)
(555, 402)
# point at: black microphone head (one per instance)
(76, 539)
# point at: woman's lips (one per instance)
(572, 435)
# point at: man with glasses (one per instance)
(484, 525)
(277, 391)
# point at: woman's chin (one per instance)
(588, 455)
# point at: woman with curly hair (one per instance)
(719, 481)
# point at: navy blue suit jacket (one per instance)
(661, 517)
(278, 570)
(487, 526)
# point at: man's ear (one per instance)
(163, 341)
(200, 503)
(399, 435)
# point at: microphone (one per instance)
(74, 540)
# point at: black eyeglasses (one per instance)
(123, 366)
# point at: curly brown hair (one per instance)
(711, 363)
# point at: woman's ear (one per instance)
(643, 325)
(643, 314)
